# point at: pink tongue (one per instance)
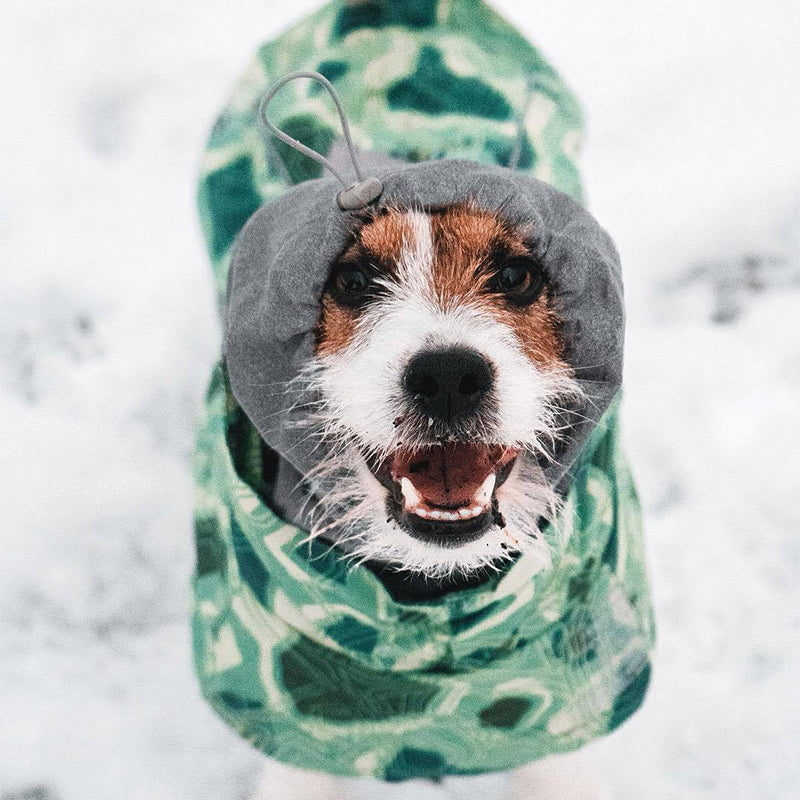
(449, 475)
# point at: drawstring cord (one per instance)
(353, 195)
(365, 190)
(516, 152)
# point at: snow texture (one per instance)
(108, 329)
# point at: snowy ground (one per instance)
(107, 330)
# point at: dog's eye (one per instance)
(351, 281)
(521, 280)
(513, 278)
(349, 284)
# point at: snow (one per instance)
(107, 331)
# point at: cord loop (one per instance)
(352, 195)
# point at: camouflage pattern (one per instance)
(314, 662)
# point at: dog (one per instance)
(419, 550)
(450, 314)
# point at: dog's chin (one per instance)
(440, 533)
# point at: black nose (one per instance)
(448, 384)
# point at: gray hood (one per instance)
(280, 264)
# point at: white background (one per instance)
(107, 331)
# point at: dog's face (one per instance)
(439, 363)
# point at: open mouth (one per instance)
(446, 493)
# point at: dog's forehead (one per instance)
(384, 235)
(461, 227)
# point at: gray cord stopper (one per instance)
(359, 194)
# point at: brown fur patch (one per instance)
(537, 328)
(383, 237)
(467, 242)
(379, 242)
(336, 328)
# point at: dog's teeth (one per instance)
(410, 494)
(484, 494)
(444, 515)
